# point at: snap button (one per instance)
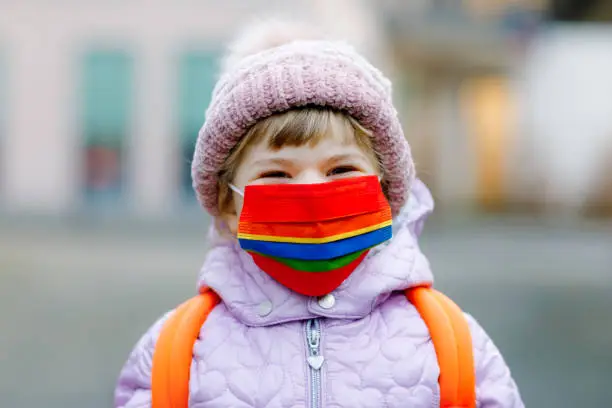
(264, 308)
(327, 302)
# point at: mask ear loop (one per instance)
(236, 190)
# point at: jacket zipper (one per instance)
(315, 361)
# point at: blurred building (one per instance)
(511, 100)
(461, 59)
(101, 102)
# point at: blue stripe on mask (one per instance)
(311, 252)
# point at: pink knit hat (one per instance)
(295, 74)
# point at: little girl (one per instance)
(304, 166)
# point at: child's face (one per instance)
(330, 159)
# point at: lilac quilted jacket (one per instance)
(362, 346)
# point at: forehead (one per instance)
(306, 126)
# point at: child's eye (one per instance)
(342, 170)
(274, 174)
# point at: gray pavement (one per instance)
(76, 295)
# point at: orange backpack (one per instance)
(447, 326)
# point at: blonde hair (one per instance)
(295, 127)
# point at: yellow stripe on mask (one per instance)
(324, 240)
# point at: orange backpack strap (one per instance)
(448, 328)
(174, 351)
(452, 341)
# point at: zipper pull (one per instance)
(314, 341)
(315, 360)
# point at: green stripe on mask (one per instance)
(318, 266)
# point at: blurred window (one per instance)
(106, 91)
(197, 76)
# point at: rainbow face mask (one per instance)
(311, 237)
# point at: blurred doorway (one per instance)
(489, 113)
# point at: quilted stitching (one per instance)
(240, 366)
(495, 386)
(374, 362)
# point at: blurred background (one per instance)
(507, 105)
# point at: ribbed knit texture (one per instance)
(293, 75)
